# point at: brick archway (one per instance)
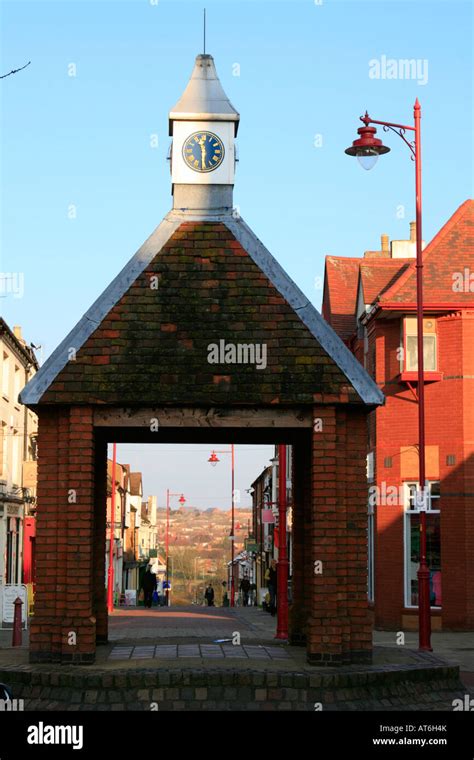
(142, 353)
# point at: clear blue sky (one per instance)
(185, 469)
(304, 71)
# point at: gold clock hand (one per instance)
(202, 142)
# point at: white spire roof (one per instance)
(204, 98)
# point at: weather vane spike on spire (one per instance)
(204, 51)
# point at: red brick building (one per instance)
(371, 303)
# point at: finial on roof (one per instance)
(204, 46)
(204, 98)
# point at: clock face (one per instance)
(203, 151)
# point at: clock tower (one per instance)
(203, 125)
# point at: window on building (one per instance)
(16, 466)
(5, 374)
(429, 344)
(3, 449)
(13, 550)
(412, 544)
(16, 384)
(371, 554)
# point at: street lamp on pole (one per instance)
(182, 501)
(367, 148)
(213, 460)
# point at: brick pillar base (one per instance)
(339, 629)
(63, 628)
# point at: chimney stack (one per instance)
(385, 243)
(412, 232)
(17, 334)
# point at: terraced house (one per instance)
(18, 433)
(371, 303)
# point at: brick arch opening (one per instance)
(329, 613)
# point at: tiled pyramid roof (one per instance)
(217, 282)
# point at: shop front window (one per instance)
(13, 550)
(412, 544)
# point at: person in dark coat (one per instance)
(225, 597)
(149, 586)
(272, 586)
(209, 596)
(245, 588)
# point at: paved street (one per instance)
(201, 651)
(184, 658)
(203, 635)
(193, 621)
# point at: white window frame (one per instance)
(410, 330)
(16, 384)
(4, 451)
(15, 464)
(6, 375)
(406, 533)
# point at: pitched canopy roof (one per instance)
(217, 281)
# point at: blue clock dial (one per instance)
(203, 151)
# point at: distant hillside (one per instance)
(200, 548)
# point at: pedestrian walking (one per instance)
(148, 586)
(209, 596)
(245, 588)
(225, 598)
(253, 594)
(272, 586)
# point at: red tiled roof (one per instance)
(449, 252)
(379, 274)
(390, 281)
(341, 280)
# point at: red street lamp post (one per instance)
(110, 574)
(213, 460)
(182, 501)
(282, 574)
(367, 148)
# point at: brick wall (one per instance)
(340, 627)
(65, 538)
(449, 429)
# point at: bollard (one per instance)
(16, 640)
